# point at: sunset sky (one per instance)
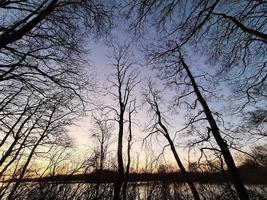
(100, 66)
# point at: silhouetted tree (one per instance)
(177, 73)
(42, 43)
(42, 50)
(257, 157)
(101, 133)
(124, 80)
(158, 126)
(131, 110)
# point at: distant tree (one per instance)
(260, 153)
(257, 158)
(101, 134)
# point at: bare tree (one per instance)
(43, 83)
(41, 52)
(176, 72)
(230, 35)
(101, 133)
(257, 157)
(157, 126)
(124, 81)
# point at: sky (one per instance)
(80, 132)
(100, 66)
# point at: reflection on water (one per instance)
(135, 191)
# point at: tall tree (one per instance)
(233, 36)
(41, 53)
(124, 80)
(177, 73)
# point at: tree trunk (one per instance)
(179, 163)
(119, 180)
(184, 172)
(124, 191)
(239, 186)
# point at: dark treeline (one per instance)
(255, 175)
